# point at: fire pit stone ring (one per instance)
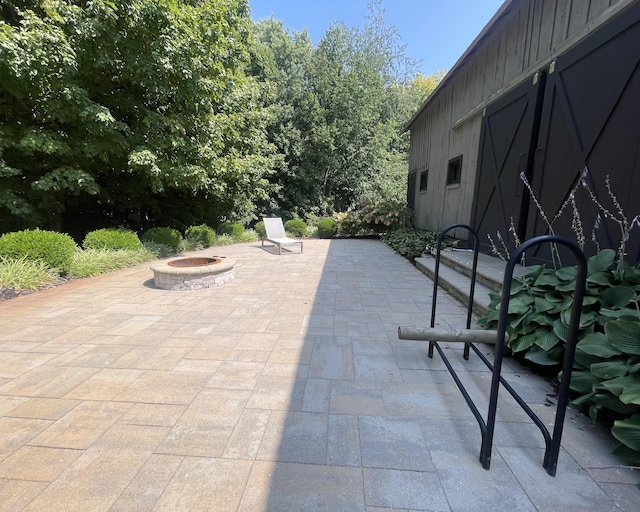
(192, 273)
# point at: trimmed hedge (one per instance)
(202, 233)
(259, 228)
(327, 228)
(54, 249)
(234, 229)
(296, 227)
(111, 239)
(165, 236)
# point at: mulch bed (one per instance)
(11, 293)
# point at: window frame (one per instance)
(454, 171)
(423, 185)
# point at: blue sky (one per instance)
(436, 32)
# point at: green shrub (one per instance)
(327, 228)
(249, 235)
(234, 229)
(348, 223)
(296, 227)
(373, 218)
(162, 235)
(203, 233)
(262, 233)
(384, 215)
(111, 239)
(54, 249)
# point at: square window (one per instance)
(424, 180)
(455, 170)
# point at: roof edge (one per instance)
(499, 13)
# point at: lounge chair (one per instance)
(276, 234)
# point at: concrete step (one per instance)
(456, 283)
(455, 272)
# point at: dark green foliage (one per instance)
(410, 243)
(327, 228)
(234, 229)
(259, 228)
(140, 112)
(143, 114)
(203, 233)
(165, 236)
(111, 239)
(54, 249)
(296, 227)
(337, 110)
(606, 373)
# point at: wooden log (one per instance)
(448, 335)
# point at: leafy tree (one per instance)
(182, 112)
(421, 86)
(285, 65)
(339, 109)
(382, 91)
(130, 113)
(42, 112)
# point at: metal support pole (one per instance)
(472, 287)
(551, 453)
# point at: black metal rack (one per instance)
(552, 442)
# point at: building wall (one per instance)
(524, 37)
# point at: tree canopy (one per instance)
(179, 112)
(339, 110)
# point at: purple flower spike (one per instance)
(598, 220)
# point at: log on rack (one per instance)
(448, 335)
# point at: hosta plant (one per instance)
(606, 374)
(410, 243)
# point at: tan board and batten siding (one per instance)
(523, 37)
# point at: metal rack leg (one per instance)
(553, 449)
(488, 428)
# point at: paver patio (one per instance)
(285, 389)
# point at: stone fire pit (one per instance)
(192, 273)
